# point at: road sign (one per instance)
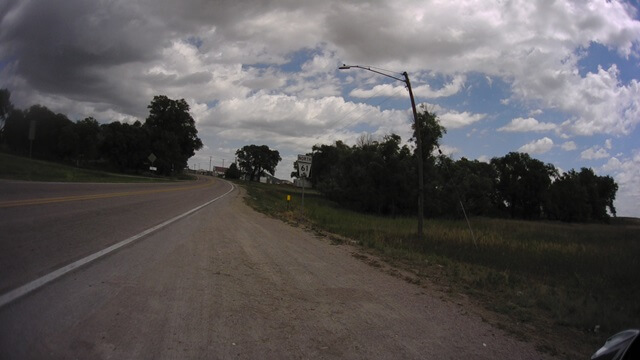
(303, 169)
(152, 157)
(304, 165)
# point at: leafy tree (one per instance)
(568, 199)
(5, 108)
(295, 173)
(172, 133)
(607, 189)
(255, 160)
(395, 182)
(125, 146)
(89, 138)
(232, 172)
(68, 142)
(582, 196)
(16, 132)
(469, 182)
(430, 132)
(48, 128)
(328, 166)
(601, 192)
(371, 176)
(522, 184)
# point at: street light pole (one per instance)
(420, 164)
(418, 142)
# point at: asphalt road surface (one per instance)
(223, 282)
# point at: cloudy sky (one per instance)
(556, 79)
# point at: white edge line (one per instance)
(39, 282)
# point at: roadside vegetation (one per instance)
(567, 286)
(162, 143)
(23, 168)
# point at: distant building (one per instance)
(219, 170)
(269, 179)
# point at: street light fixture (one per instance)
(418, 140)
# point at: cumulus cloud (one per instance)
(599, 102)
(613, 164)
(447, 150)
(452, 119)
(594, 153)
(527, 125)
(421, 91)
(626, 173)
(569, 146)
(539, 146)
(93, 45)
(299, 123)
(483, 158)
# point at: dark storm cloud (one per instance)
(85, 50)
(64, 47)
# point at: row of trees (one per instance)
(380, 177)
(169, 133)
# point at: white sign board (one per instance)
(304, 165)
(304, 169)
(304, 159)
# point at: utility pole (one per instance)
(209, 163)
(420, 163)
(418, 142)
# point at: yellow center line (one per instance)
(41, 201)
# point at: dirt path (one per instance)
(231, 283)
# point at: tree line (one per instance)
(380, 176)
(169, 133)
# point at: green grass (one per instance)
(21, 168)
(554, 277)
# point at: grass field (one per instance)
(21, 168)
(569, 286)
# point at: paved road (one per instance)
(226, 282)
(44, 226)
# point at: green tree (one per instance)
(255, 160)
(522, 184)
(601, 192)
(48, 129)
(582, 196)
(232, 172)
(330, 168)
(372, 176)
(16, 132)
(79, 141)
(430, 132)
(125, 146)
(467, 182)
(5, 109)
(89, 138)
(172, 133)
(568, 199)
